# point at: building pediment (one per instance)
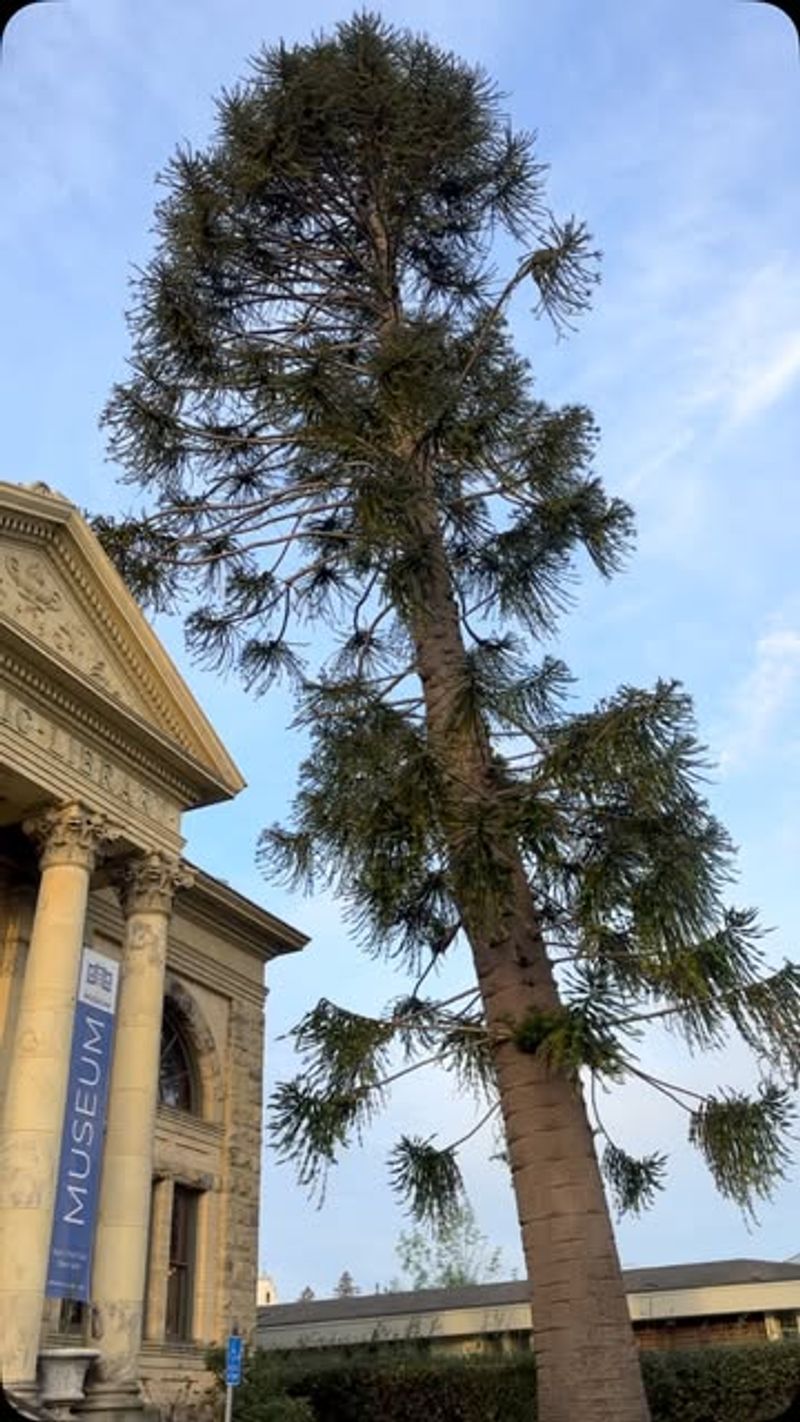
(65, 610)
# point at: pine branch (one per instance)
(635, 1182)
(745, 1142)
(571, 1038)
(428, 1180)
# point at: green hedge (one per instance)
(729, 1384)
(411, 1390)
(389, 1386)
(753, 1383)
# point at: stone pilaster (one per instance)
(69, 838)
(243, 1155)
(146, 887)
(158, 1261)
(17, 901)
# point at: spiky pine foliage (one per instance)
(338, 440)
(629, 868)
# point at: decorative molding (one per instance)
(58, 566)
(201, 1132)
(226, 981)
(203, 1048)
(70, 834)
(31, 596)
(179, 1154)
(181, 1174)
(245, 922)
(148, 883)
(76, 711)
(179, 1355)
(27, 526)
(41, 598)
(143, 677)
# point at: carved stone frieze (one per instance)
(73, 752)
(149, 882)
(30, 595)
(70, 834)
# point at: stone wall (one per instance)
(178, 1386)
(242, 1159)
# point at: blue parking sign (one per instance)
(233, 1360)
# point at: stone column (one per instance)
(17, 901)
(146, 887)
(69, 838)
(155, 1313)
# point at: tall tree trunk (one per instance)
(587, 1359)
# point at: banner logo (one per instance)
(78, 1181)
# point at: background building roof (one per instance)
(663, 1278)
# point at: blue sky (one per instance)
(673, 130)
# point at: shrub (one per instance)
(753, 1383)
(406, 1389)
(741, 1383)
(263, 1395)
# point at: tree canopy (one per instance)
(267, 393)
(457, 1254)
(351, 483)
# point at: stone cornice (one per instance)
(184, 959)
(217, 905)
(50, 525)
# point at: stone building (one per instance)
(102, 751)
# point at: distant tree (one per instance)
(347, 460)
(455, 1253)
(307, 1295)
(346, 1287)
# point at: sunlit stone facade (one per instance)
(102, 752)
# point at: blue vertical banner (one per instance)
(78, 1181)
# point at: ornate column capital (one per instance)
(70, 834)
(148, 883)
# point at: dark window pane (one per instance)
(176, 1080)
(180, 1281)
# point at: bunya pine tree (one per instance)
(348, 481)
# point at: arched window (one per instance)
(177, 1080)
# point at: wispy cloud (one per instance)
(749, 355)
(770, 383)
(764, 700)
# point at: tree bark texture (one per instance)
(587, 1358)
